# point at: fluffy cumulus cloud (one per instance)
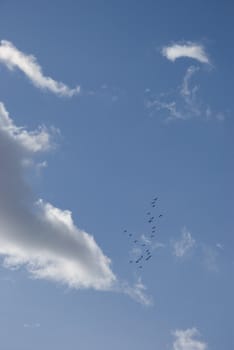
(13, 58)
(36, 234)
(39, 236)
(188, 49)
(182, 246)
(187, 340)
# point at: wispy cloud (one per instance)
(188, 49)
(184, 244)
(12, 58)
(138, 292)
(219, 246)
(32, 325)
(184, 102)
(186, 340)
(210, 257)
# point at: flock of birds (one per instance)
(143, 245)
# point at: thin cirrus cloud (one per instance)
(39, 236)
(184, 102)
(188, 49)
(13, 58)
(184, 244)
(187, 340)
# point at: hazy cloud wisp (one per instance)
(184, 244)
(186, 340)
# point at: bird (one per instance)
(148, 257)
(139, 259)
(160, 215)
(135, 241)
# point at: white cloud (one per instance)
(14, 58)
(186, 340)
(184, 244)
(219, 246)
(37, 235)
(32, 325)
(137, 292)
(210, 258)
(184, 102)
(188, 49)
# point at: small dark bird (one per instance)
(140, 267)
(130, 235)
(135, 241)
(160, 215)
(125, 230)
(153, 227)
(148, 257)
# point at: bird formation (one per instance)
(142, 246)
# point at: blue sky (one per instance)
(122, 102)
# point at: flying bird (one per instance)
(148, 257)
